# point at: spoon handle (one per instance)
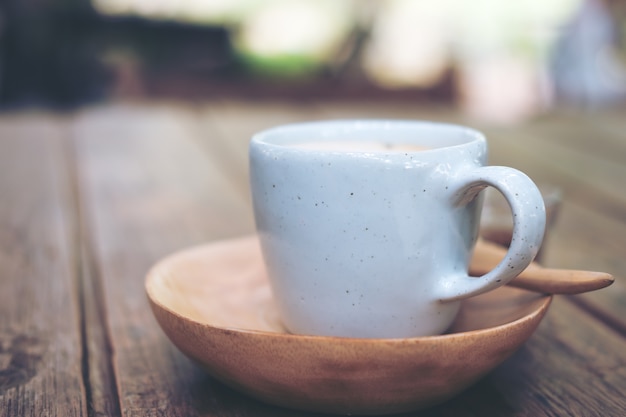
(537, 278)
(561, 281)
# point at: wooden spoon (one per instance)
(537, 278)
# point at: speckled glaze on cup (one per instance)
(376, 244)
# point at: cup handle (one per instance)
(529, 219)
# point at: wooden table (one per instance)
(91, 199)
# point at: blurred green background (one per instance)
(494, 59)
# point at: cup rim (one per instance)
(433, 135)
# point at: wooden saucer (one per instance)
(215, 305)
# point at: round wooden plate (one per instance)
(215, 304)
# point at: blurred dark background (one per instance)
(500, 60)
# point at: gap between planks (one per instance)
(98, 369)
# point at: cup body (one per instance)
(360, 243)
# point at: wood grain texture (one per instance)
(162, 178)
(98, 371)
(40, 338)
(147, 190)
(89, 201)
(579, 154)
(550, 375)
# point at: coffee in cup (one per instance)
(359, 146)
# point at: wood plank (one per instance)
(582, 239)
(598, 134)
(227, 128)
(99, 374)
(147, 190)
(586, 179)
(572, 366)
(40, 337)
(150, 185)
(591, 228)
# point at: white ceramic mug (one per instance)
(365, 235)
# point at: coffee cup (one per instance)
(367, 226)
